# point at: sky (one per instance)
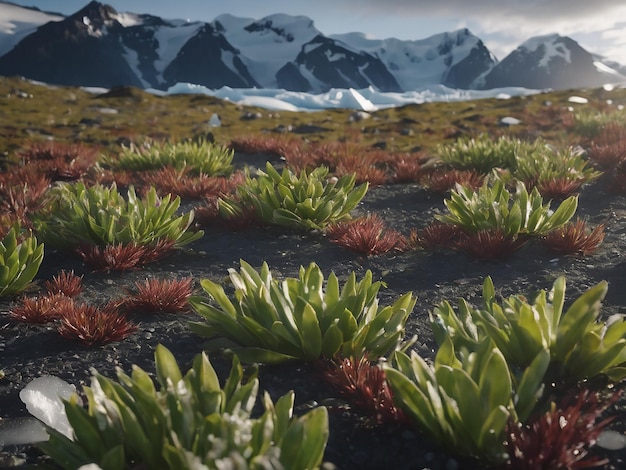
(598, 25)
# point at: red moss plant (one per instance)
(489, 244)
(556, 188)
(406, 167)
(443, 180)
(366, 235)
(209, 214)
(60, 161)
(365, 385)
(612, 133)
(435, 235)
(304, 158)
(94, 326)
(562, 436)
(264, 143)
(22, 190)
(124, 257)
(181, 183)
(106, 177)
(39, 310)
(574, 238)
(65, 283)
(160, 295)
(608, 156)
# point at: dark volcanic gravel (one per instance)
(29, 351)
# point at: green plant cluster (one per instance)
(589, 123)
(580, 347)
(466, 398)
(494, 362)
(482, 153)
(99, 215)
(493, 207)
(547, 163)
(196, 156)
(19, 261)
(534, 162)
(188, 423)
(300, 318)
(309, 201)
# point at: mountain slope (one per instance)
(453, 59)
(78, 50)
(550, 61)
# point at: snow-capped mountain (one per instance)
(454, 59)
(98, 46)
(550, 61)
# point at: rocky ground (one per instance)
(30, 351)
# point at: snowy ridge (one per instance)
(553, 47)
(417, 63)
(17, 22)
(267, 44)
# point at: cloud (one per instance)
(528, 17)
(505, 24)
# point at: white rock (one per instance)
(611, 440)
(215, 120)
(42, 397)
(509, 121)
(578, 100)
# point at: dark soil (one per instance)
(29, 351)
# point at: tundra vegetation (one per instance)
(502, 369)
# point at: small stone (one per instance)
(611, 440)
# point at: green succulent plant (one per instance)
(188, 423)
(493, 207)
(298, 319)
(482, 153)
(546, 163)
(19, 261)
(465, 399)
(195, 156)
(99, 215)
(580, 347)
(310, 201)
(589, 123)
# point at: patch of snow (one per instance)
(553, 48)
(132, 58)
(43, 399)
(128, 19)
(578, 100)
(18, 431)
(509, 121)
(601, 67)
(171, 39)
(17, 22)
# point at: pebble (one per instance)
(611, 440)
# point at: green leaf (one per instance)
(166, 367)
